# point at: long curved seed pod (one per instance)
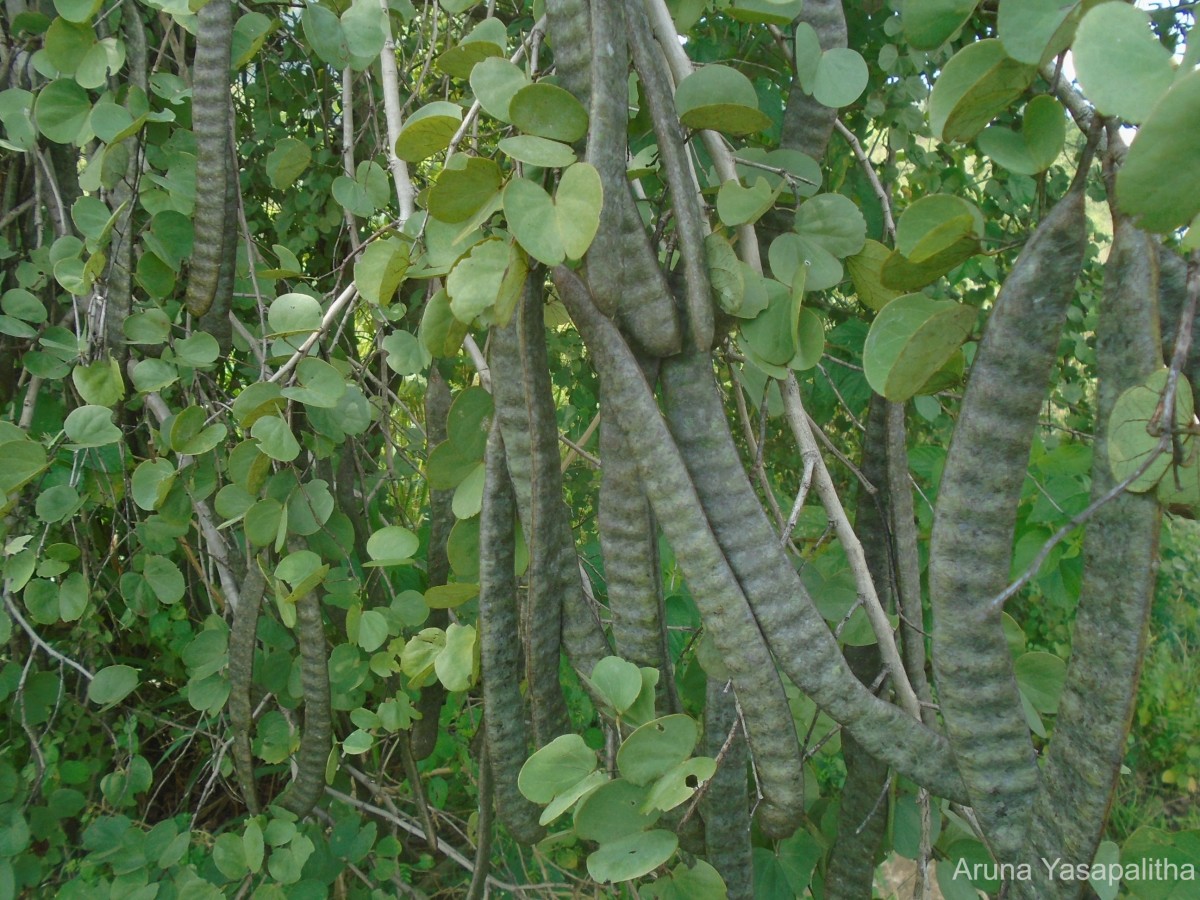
(629, 541)
(120, 271)
(241, 676)
(525, 412)
(500, 648)
(862, 816)
(807, 123)
(690, 223)
(718, 595)
(794, 629)
(210, 121)
(726, 806)
(623, 270)
(569, 29)
(309, 784)
(1119, 549)
(216, 320)
(441, 520)
(971, 545)
(1172, 291)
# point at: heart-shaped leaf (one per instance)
(553, 230)
(978, 83)
(1036, 146)
(910, 339)
(719, 98)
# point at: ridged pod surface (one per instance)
(500, 649)
(1120, 551)
(971, 543)
(723, 607)
(308, 785)
(726, 805)
(622, 268)
(797, 634)
(241, 677)
(211, 110)
(441, 521)
(569, 28)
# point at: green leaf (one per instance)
(449, 596)
(1040, 677)
(727, 274)
(548, 111)
(1039, 143)
(151, 482)
(372, 630)
(287, 162)
(719, 98)
(563, 228)
(632, 856)
(323, 31)
(405, 355)
(679, 784)
(198, 351)
(929, 23)
(468, 496)
(911, 339)
(456, 664)
(1130, 442)
(488, 39)
(317, 384)
(100, 382)
(428, 131)
(613, 811)
(763, 12)
(112, 684)
(866, 268)
(67, 43)
(189, 434)
(556, 768)
(57, 503)
(252, 845)
(979, 82)
(700, 882)
(1034, 31)
(832, 222)
(366, 192)
(656, 747)
(737, 205)
(364, 28)
(1159, 184)
(62, 110)
(617, 681)
(495, 82)
(840, 78)
(77, 10)
(275, 438)
(465, 186)
(164, 579)
(774, 333)
(393, 545)
(23, 461)
(294, 314)
(91, 426)
(474, 282)
(537, 151)
(1123, 67)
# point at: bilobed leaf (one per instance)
(463, 188)
(1130, 439)
(99, 383)
(632, 856)
(91, 426)
(719, 98)
(737, 205)
(865, 268)
(979, 82)
(679, 784)
(1040, 677)
(428, 130)
(1034, 31)
(556, 768)
(613, 811)
(317, 384)
(1159, 184)
(294, 314)
(380, 270)
(840, 78)
(929, 23)
(364, 30)
(487, 39)
(405, 355)
(495, 81)
(112, 684)
(1036, 146)
(773, 333)
(618, 681)
(366, 192)
(24, 460)
(287, 162)
(323, 31)
(833, 222)
(61, 111)
(1123, 67)
(474, 283)
(275, 438)
(654, 748)
(924, 215)
(553, 230)
(392, 545)
(548, 111)
(151, 481)
(455, 665)
(910, 339)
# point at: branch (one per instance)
(390, 77)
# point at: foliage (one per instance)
(426, 425)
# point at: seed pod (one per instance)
(211, 110)
(971, 545)
(622, 268)
(500, 649)
(570, 33)
(726, 807)
(241, 676)
(1119, 551)
(797, 634)
(723, 607)
(308, 784)
(441, 521)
